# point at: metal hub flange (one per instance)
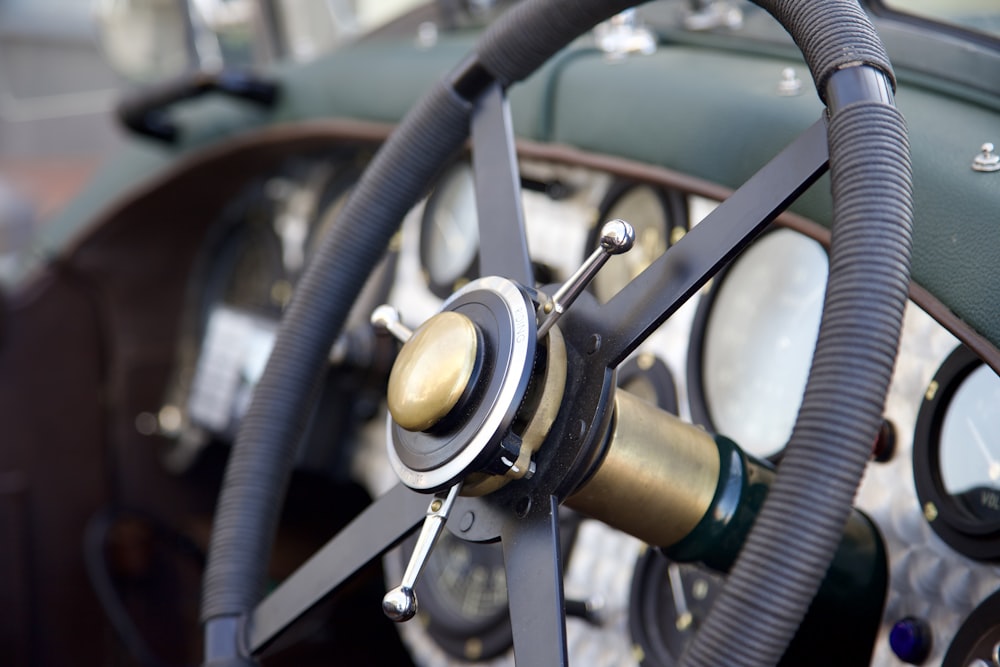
(459, 426)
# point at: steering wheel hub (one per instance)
(457, 385)
(434, 371)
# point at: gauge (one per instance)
(658, 216)
(977, 642)
(449, 231)
(648, 377)
(252, 258)
(753, 338)
(956, 455)
(462, 592)
(668, 603)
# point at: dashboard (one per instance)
(732, 360)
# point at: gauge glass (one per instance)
(449, 233)
(969, 448)
(759, 339)
(468, 579)
(642, 207)
(463, 598)
(462, 592)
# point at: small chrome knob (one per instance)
(400, 604)
(617, 237)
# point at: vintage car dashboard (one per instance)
(180, 261)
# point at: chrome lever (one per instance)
(386, 317)
(400, 604)
(617, 237)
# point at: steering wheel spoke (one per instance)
(503, 243)
(533, 563)
(373, 532)
(666, 284)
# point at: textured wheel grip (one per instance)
(260, 463)
(831, 36)
(774, 580)
(530, 33)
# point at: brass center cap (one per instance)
(432, 371)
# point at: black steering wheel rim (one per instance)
(842, 406)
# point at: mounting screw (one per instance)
(987, 160)
(790, 84)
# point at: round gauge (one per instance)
(462, 592)
(449, 232)
(956, 455)
(977, 642)
(658, 216)
(753, 338)
(243, 269)
(647, 377)
(251, 259)
(668, 603)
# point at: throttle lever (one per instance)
(400, 604)
(617, 237)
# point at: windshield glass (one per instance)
(981, 16)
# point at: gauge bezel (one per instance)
(980, 628)
(698, 402)
(650, 593)
(976, 538)
(673, 205)
(650, 368)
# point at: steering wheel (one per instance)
(523, 414)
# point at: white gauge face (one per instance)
(450, 228)
(642, 208)
(969, 448)
(759, 340)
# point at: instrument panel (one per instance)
(734, 359)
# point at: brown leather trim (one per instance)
(243, 156)
(277, 142)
